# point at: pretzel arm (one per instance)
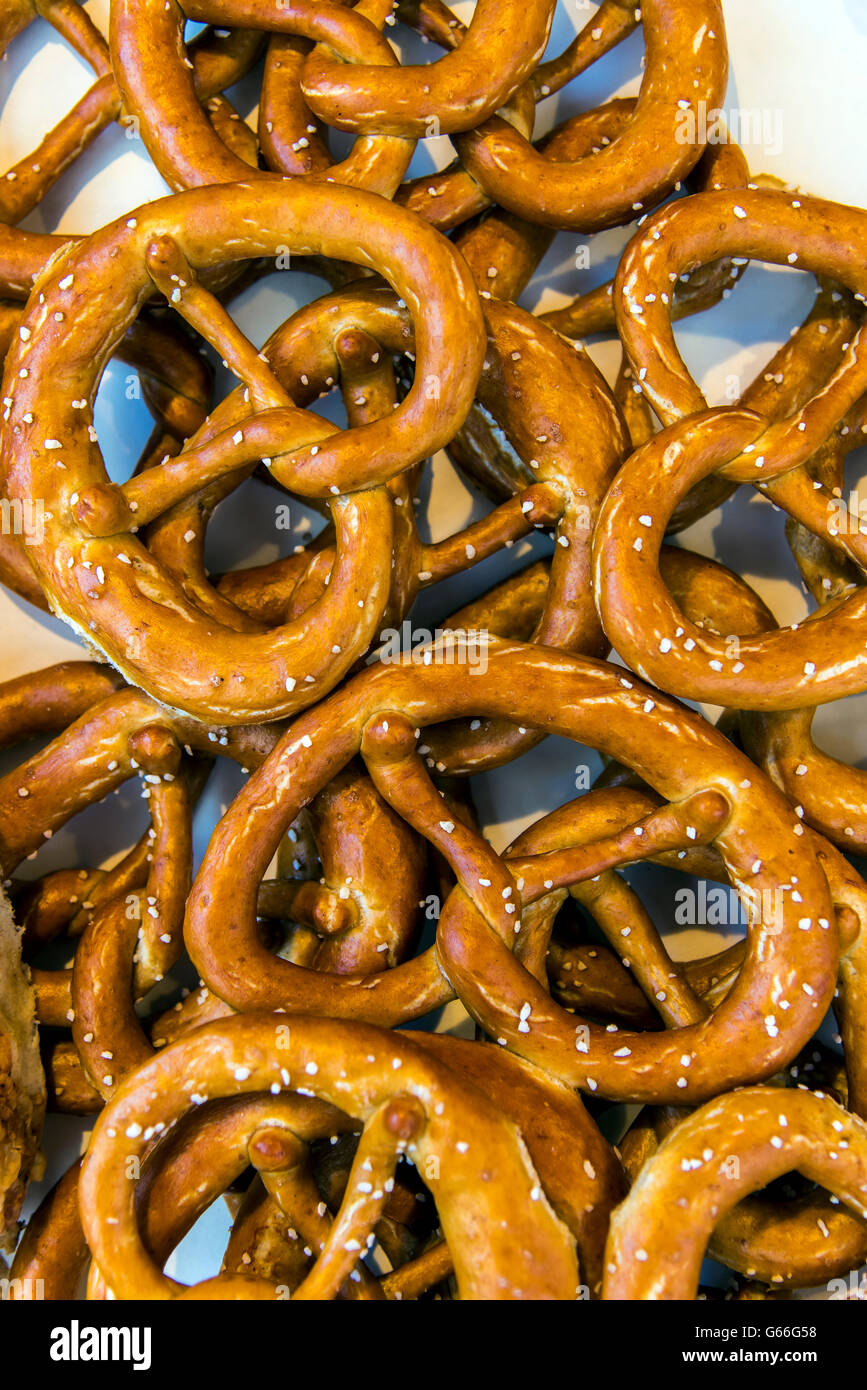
(290, 137)
(29, 180)
(537, 506)
(721, 166)
(386, 1136)
(92, 758)
(73, 23)
(368, 101)
(52, 1248)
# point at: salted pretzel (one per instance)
(687, 63)
(779, 670)
(728, 1148)
(578, 1171)
(801, 1241)
(590, 702)
(148, 52)
(218, 61)
(798, 371)
(796, 1244)
(90, 564)
(570, 180)
(425, 1111)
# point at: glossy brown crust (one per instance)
(687, 61)
(359, 916)
(730, 1147)
(243, 1055)
(579, 1170)
(767, 445)
(113, 590)
(148, 50)
(757, 834)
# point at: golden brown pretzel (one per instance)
(808, 1241)
(717, 795)
(822, 659)
(687, 63)
(578, 1170)
(97, 575)
(417, 1105)
(730, 1147)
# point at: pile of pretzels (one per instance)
(261, 1027)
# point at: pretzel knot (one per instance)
(408, 1103)
(96, 574)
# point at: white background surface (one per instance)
(800, 62)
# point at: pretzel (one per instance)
(638, 168)
(731, 1146)
(739, 441)
(238, 680)
(421, 1112)
(572, 694)
(801, 1243)
(798, 371)
(830, 792)
(348, 921)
